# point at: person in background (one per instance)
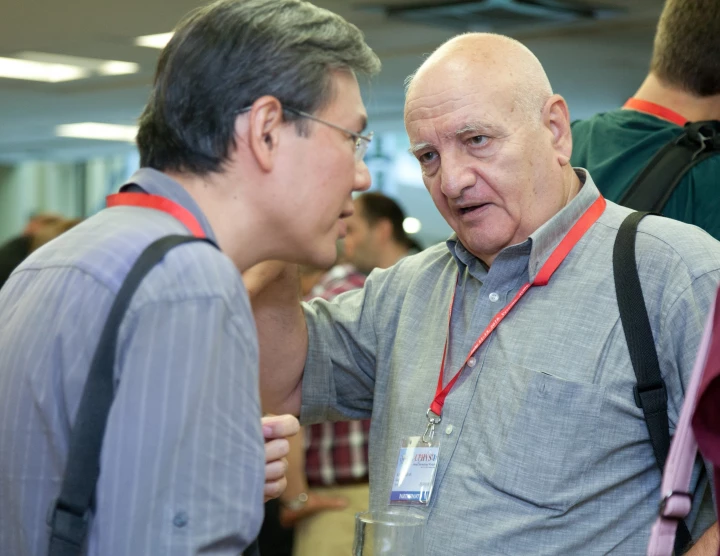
(375, 236)
(504, 344)
(328, 474)
(683, 85)
(253, 138)
(16, 250)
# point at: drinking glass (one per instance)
(389, 533)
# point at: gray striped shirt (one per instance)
(543, 450)
(182, 464)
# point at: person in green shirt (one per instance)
(683, 85)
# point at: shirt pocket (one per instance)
(538, 438)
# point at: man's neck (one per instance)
(231, 219)
(392, 254)
(689, 106)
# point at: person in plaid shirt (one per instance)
(336, 454)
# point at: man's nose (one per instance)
(362, 177)
(455, 176)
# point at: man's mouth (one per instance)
(470, 209)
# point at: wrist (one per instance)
(297, 503)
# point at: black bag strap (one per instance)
(69, 515)
(655, 184)
(650, 391)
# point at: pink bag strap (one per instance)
(676, 500)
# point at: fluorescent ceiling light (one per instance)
(105, 132)
(40, 71)
(154, 41)
(411, 225)
(102, 67)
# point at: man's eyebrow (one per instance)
(419, 147)
(474, 127)
(363, 121)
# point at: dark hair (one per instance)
(225, 56)
(687, 46)
(376, 206)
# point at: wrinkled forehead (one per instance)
(447, 106)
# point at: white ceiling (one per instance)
(595, 65)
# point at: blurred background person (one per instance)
(40, 229)
(375, 234)
(683, 85)
(328, 462)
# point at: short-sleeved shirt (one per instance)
(182, 462)
(543, 449)
(615, 147)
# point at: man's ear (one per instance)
(556, 117)
(262, 130)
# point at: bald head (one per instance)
(499, 63)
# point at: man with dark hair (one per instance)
(252, 140)
(683, 86)
(375, 234)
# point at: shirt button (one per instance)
(449, 429)
(180, 520)
(472, 362)
(494, 297)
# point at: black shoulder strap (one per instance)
(68, 517)
(650, 392)
(652, 188)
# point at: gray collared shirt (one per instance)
(182, 464)
(543, 450)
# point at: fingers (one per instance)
(276, 449)
(275, 489)
(330, 503)
(280, 426)
(275, 470)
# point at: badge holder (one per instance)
(416, 467)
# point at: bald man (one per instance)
(527, 386)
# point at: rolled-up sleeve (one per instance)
(339, 377)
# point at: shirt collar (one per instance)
(543, 241)
(153, 182)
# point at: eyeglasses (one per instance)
(362, 142)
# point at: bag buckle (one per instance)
(67, 524)
(676, 513)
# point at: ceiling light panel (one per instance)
(103, 132)
(12, 68)
(93, 65)
(154, 41)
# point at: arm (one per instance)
(282, 334)
(708, 544)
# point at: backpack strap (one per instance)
(652, 188)
(69, 515)
(650, 391)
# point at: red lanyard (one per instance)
(542, 278)
(655, 110)
(158, 203)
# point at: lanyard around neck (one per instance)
(543, 277)
(655, 110)
(156, 202)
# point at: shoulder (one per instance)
(668, 251)
(414, 272)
